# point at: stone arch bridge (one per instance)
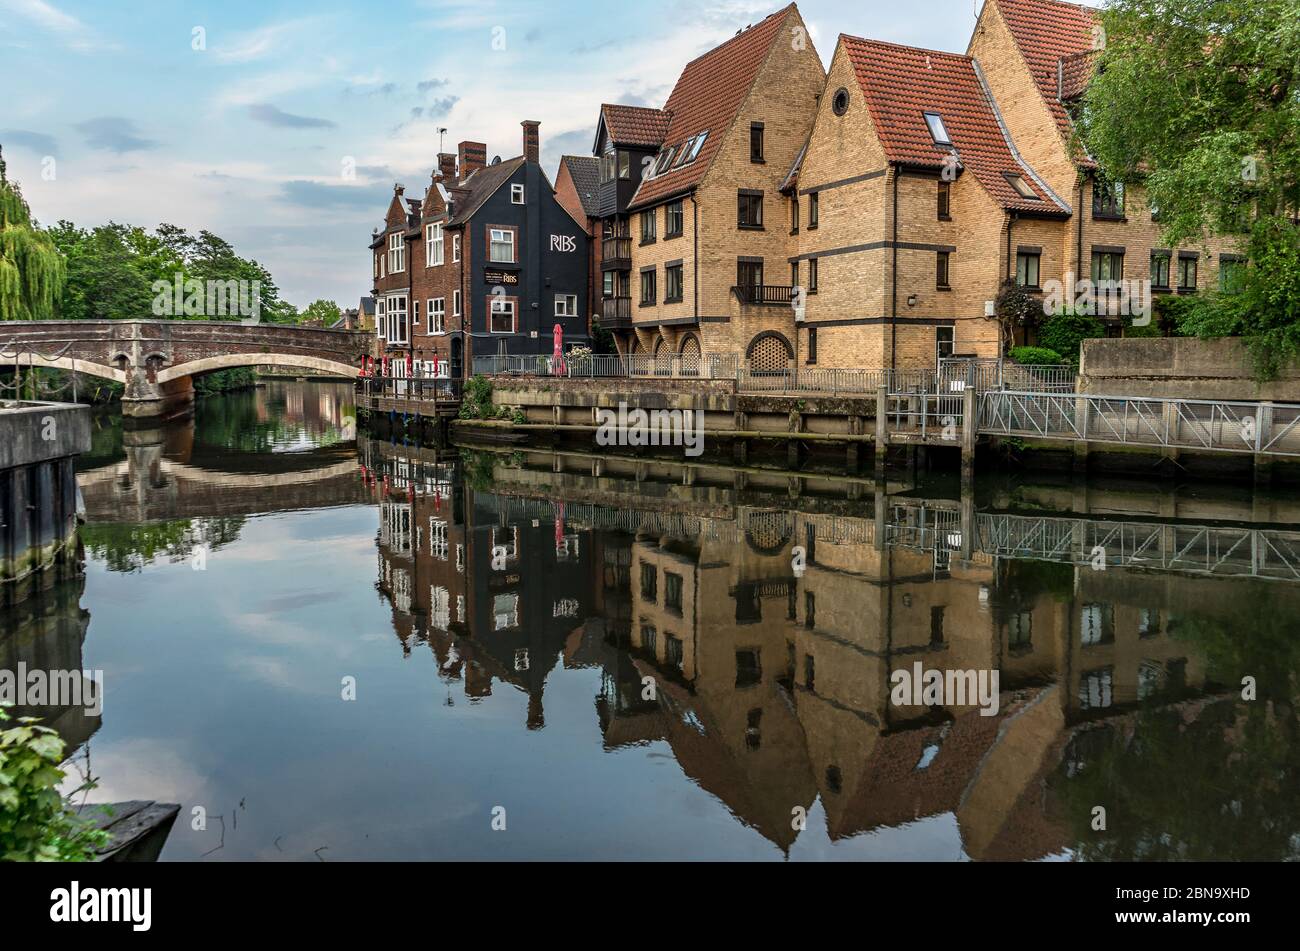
(158, 359)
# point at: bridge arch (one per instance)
(229, 360)
(88, 367)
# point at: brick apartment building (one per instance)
(689, 199)
(488, 262)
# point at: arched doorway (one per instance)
(663, 358)
(769, 352)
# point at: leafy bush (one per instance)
(1065, 332)
(35, 825)
(476, 403)
(1034, 355)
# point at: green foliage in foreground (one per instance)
(35, 824)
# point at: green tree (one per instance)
(32, 272)
(324, 311)
(1200, 101)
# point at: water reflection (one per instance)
(504, 616)
(1121, 685)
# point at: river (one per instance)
(329, 647)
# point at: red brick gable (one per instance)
(707, 97)
(902, 83)
(635, 125)
(1047, 32)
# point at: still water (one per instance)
(639, 661)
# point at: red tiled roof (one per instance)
(1046, 31)
(706, 98)
(1075, 73)
(902, 83)
(635, 125)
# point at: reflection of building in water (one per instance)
(47, 632)
(770, 636)
(495, 599)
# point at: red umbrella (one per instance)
(558, 353)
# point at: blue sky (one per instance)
(253, 135)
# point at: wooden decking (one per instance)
(137, 829)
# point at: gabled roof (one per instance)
(481, 186)
(707, 97)
(1050, 34)
(584, 170)
(633, 125)
(902, 83)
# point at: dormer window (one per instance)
(699, 144)
(938, 131)
(1021, 186)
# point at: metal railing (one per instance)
(413, 387)
(714, 366)
(764, 293)
(925, 415)
(951, 378)
(1222, 425)
(955, 374)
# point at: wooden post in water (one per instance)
(882, 430)
(969, 429)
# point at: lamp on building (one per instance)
(911, 300)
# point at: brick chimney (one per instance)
(472, 156)
(446, 167)
(532, 141)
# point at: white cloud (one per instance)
(75, 34)
(260, 43)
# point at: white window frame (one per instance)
(455, 248)
(433, 249)
(500, 305)
(516, 194)
(498, 236)
(437, 315)
(396, 253)
(399, 330)
(455, 302)
(566, 305)
(381, 318)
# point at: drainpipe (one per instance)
(1078, 243)
(893, 280)
(695, 237)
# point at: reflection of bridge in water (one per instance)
(152, 484)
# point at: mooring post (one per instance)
(882, 430)
(969, 430)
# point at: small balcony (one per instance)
(616, 313)
(770, 294)
(616, 254)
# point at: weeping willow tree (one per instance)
(32, 272)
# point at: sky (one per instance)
(282, 126)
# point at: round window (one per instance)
(840, 103)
